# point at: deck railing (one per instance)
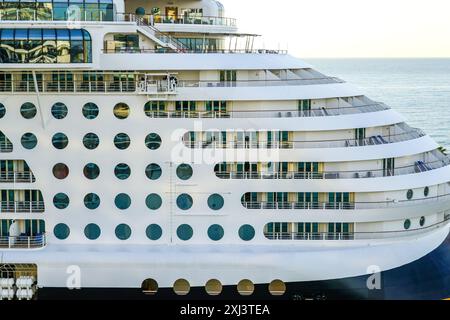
(17, 177)
(342, 143)
(354, 174)
(296, 205)
(345, 236)
(23, 242)
(22, 206)
(18, 86)
(274, 113)
(6, 146)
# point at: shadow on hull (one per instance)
(425, 279)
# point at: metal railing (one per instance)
(23, 242)
(354, 174)
(342, 143)
(6, 146)
(296, 205)
(200, 20)
(245, 114)
(128, 50)
(17, 177)
(344, 236)
(108, 86)
(22, 206)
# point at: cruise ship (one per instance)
(151, 150)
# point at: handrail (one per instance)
(273, 113)
(17, 176)
(332, 175)
(23, 242)
(6, 146)
(22, 206)
(340, 143)
(128, 50)
(107, 86)
(296, 205)
(351, 235)
(202, 20)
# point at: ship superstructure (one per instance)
(149, 150)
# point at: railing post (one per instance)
(29, 242)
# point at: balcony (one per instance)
(418, 167)
(22, 206)
(193, 20)
(17, 177)
(295, 205)
(23, 242)
(345, 236)
(342, 143)
(275, 113)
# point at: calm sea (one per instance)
(418, 88)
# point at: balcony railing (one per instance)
(355, 174)
(342, 143)
(242, 114)
(128, 50)
(295, 205)
(344, 236)
(41, 14)
(199, 20)
(17, 177)
(6, 146)
(133, 86)
(23, 242)
(22, 206)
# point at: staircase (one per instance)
(163, 39)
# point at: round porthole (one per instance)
(59, 110)
(60, 171)
(61, 201)
(153, 232)
(122, 171)
(61, 231)
(28, 110)
(122, 141)
(153, 201)
(91, 171)
(215, 232)
(181, 287)
(246, 232)
(184, 201)
(121, 111)
(92, 231)
(91, 141)
(213, 287)
(185, 232)
(90, 111)
(215, 202)
(407, 224)
(426, 191)
(153, 171)
(149, 287)
(245, 287)
(91, 201)
(184, 171)
(409, 194)
(2, 110)
(123, 232)
(122, 201)
(422, 221)
(29, 141)
(277, 288)
(60, 141)
(153, 141)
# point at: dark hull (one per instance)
(424, 279)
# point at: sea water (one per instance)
(418, 88)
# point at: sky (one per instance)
(347, 28)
